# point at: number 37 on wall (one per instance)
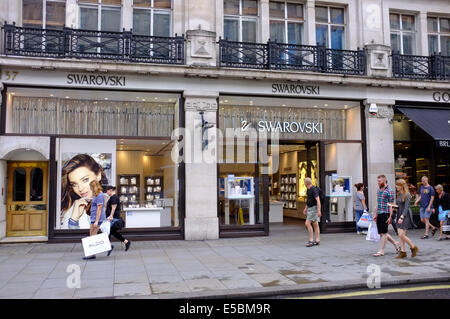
(7, 75)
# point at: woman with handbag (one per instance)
(404, 218)
(442, 203)
(113, 215)
(360, 206)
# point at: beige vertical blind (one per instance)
(37, 115)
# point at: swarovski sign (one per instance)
(285, 127)
(297, 89)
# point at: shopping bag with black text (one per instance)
(96, 244)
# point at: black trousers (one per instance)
(115, 232)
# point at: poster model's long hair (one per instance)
(68, 196)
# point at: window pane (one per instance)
(250, 7)
(276, 10)
(167, 4)
(110, 20)
(322, 14)
(231, 7)
(277, 31)
(408, 44)
(445, 25)
(408, 23)
(395, 42)
(432, 24)
(445, 45)
(295, 31)
(19, 184)
(433, 44)
(395, 21)
(88, 1)
(322, 35)
(249, 31)
(88, 18)
(32, 13)
(294, 11)
(36, 184)
(161, 28)
(56, 15)
(141, 22)
(337, 37)
(115, 2)
(231, 30)
(337, 15)
(142, 3)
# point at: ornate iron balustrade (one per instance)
(284, 56)
(433, 67)
(89, 44)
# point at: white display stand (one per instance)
(148, 217)
(234, 194)
(275, 212)
(340, 191)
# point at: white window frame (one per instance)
(286, 20)
(329, 24)
(99, 7)
(154, 10)
(242, 18)
(44, 13)
(438, 33)
(401, 31)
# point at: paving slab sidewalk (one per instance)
(224, 268)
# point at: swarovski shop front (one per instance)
(321, 139)
(120, 138)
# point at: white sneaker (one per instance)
(364, 232)
(358, 233)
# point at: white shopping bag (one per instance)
(96, 244)
(105, 227)
(372, 234)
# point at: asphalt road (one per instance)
(422, 291)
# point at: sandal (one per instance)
(447, 238)
(309, 244)
(316, 243)
(378, 254)
(424, 237)
(398, 248)
(440, 239)
(434, 231)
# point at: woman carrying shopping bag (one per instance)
(360, 207)
(442, 204)
(97, 210)
(404, 218)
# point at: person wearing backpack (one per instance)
(313, 212)
(113, 215)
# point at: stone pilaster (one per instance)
(201, 221)
(201, 48)
(380, 146)
(378, 61)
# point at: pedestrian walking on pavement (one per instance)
(404, 218)
(97, 210)
(313, 212)
(442, 203)
(113, 215)
(426, 199)
(359, 205)
(383, 215)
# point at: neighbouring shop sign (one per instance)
(441, 96)
(285, 127)
(298, 89)
(96, 79)
(445, 144)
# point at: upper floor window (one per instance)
(330, 27)
(48, 14)
(101, 15)
(439, 35)
(241, 20)
(152, 17)
(286, 22)
(403, 33)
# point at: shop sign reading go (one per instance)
(441, 96)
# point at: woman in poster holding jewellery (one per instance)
(76, 197)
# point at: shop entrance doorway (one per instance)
(27, 211)
(287, 190)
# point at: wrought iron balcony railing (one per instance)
(283, 56)
(89, 44)
(434, 67)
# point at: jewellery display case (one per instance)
(153, 188)
(128, 189)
